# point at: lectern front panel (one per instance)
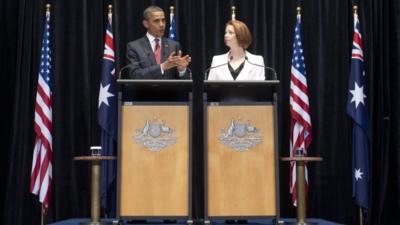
(154, 161)
(241, 160)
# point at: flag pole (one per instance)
(42, 215)
(359, 209)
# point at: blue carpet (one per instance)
(250, 222)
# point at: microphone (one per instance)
(127, 66)
(275, 76)
(213, 67)
(190, 73)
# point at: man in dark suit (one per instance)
(155, 56)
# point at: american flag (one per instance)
(300, 127)
(172, 26)
(107, 118)
(41, 174)
(357, 110)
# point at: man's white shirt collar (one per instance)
(151, 40)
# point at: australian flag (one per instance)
(357, 110)
(172, 26)
(107, 117)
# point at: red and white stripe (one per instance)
(109, 43)
(41, 173)
(357, 52)
(109, 46)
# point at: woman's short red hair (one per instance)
(242, 32)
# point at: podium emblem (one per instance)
(155, 136)
(240, 136)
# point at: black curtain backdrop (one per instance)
(77, 46)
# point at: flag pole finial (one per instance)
(298, 9)
(355, 9)
(233, 9)
(48, 6)
(109, 8)
(171, 9)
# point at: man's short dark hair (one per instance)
(151, 9)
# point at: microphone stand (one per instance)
(122, 69)
(127, 66)
(190, 73)
(275, 75)
(213, 67)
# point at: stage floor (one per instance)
(250, 222)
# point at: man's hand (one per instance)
(183, 61)
(179, 61)
(170, 62)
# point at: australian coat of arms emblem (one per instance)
(155, 136)
(240, 136)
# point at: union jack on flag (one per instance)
(41, 173)
(300, 126)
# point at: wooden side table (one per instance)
(300, 185)
(95, 187)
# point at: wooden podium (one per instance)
(241, 155)
(154, 150)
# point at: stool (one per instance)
(300, 185)
(95, 187)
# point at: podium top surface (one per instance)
(241, 82)
(155, 90)
(190, 82)
(153, 82)
(178, 89)
(241, 90)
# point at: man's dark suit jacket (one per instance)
(140, 57)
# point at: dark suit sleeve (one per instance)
(140, 67)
